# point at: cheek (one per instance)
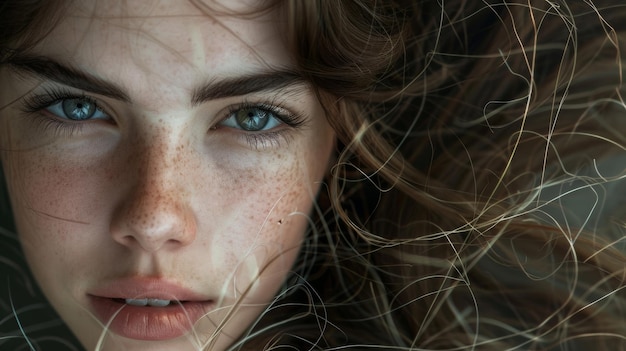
(269, 214)
(59, 195)
(51, 191)
(271, 211)
(54, 182)
(50, 206)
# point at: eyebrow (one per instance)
(245, 84)
(50, 69)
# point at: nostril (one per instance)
(150, 221)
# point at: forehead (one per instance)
(143, 41)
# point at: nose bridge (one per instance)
(157, 163)
(155, 209)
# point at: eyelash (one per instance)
(270, 138)
(35, 103)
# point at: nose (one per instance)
(155, 213)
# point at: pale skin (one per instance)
(158, 183)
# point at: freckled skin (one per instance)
(161, 192)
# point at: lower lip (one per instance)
(146, 322)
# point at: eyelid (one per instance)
(284, 115)
(272, 137)
(57, 105)
(52, 96)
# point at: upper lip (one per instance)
(146, 287)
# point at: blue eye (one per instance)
(252, 119)
(76, 109)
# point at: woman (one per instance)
(316, 175)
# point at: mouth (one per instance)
(151, 310)
(147, 302)
(148, 318)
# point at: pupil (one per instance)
(252, 119)
(77, 109)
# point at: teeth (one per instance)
(146, 302)
(137, 302)
(158, 303)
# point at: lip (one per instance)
(146, 322)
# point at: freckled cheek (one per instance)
(55, 206)
(53, 191)
(271, 218)
(56, 178)
(269, 244)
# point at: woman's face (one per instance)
(162, 162)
